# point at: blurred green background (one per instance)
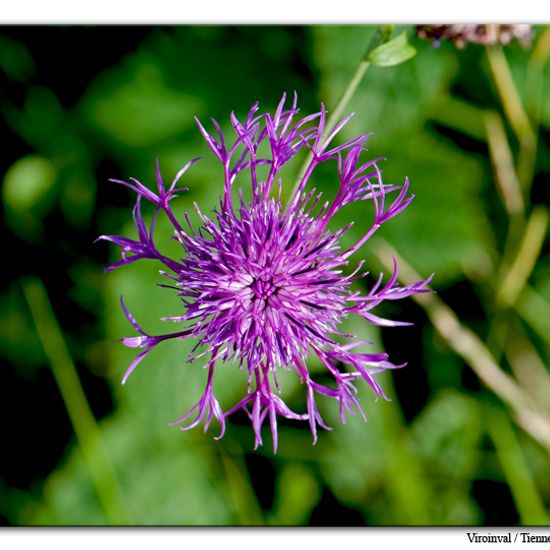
(465, 439)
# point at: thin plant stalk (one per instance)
(471, 348)
(240, 487)
(527, 365)
(534, 82)
(513, 277)
(336, 114)
(87, 432)
(503, 165)
(516, 115)
(534, 309)
(520, 269)
(516, 470)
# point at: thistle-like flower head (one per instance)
(264, 285)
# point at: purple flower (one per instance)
(264, 285)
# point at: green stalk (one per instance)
(472, 349)
(87, 432)
(503, 165)
(240, 487)
(516, 275)
(527, 364)
(404, 478)
(380, 36)
(516, 470)
(534, 82)
(516, 115)
(534, 309)
(459, 115)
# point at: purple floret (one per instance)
(264, 285)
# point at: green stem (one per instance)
(87, 432)
(514, 273)
(336, 114)
(516, 115)
(405, 480)
(240, 487)
(503, 165)
(459, 115)
(534, 81)
(527, 364)
(356, 79)
(518, 272)
(516, 470)
(534, 309)
(472, 349)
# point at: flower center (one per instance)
(263, 286)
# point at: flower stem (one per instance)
(87, 432)
(380, 35)
(473, 350)
(515, 275)
(516, 115)
(534, 309)
(516, 470)
(240, 487)
(503, 165)
(516, 267)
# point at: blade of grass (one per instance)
(516, 470)
(404, 478)
(472, 349)
(516, 275)
(516, 115)
(241, 490)
(535, 311)
(515, 269)
(503, 165)
(527, 365)
(87, 432)
(459, 115)
(534, 81)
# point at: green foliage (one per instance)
(28, 192)
(28, 184)
(15, 60)
(394, 52)
(134, 105)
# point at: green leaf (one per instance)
(167, 478)
(446, 437)
(445, 229)
(15, 60)
(28, 183)
(28, 192)
(396, 51)
(134, 105)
